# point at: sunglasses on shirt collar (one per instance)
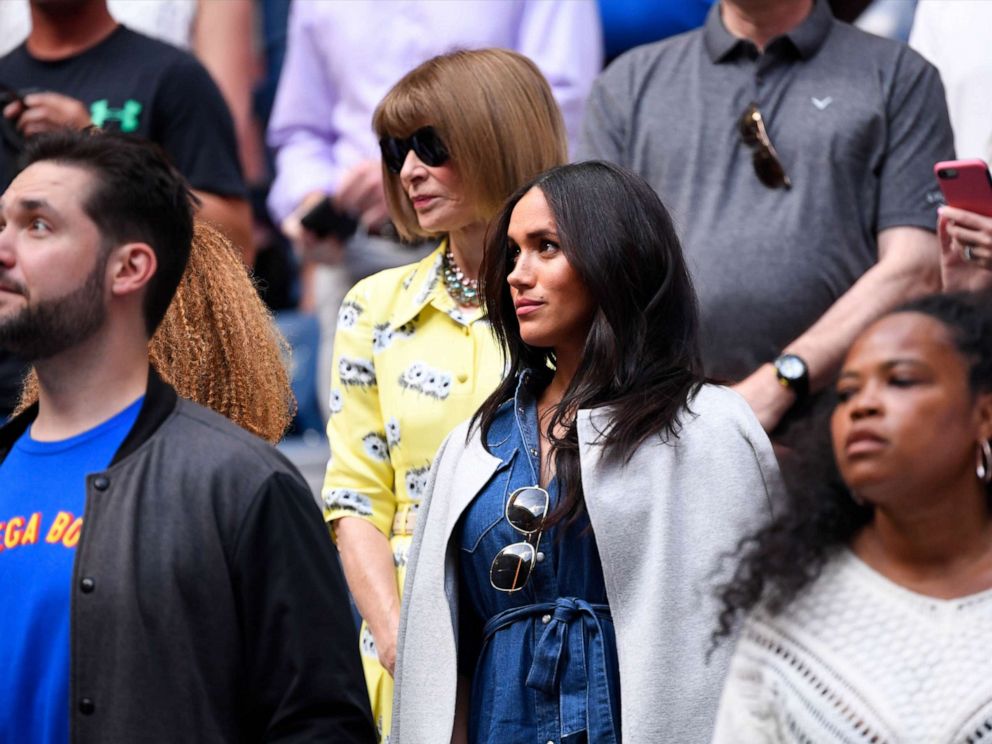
(425, 142)
(526, 510)
(767, 166)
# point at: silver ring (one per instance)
(967, 250)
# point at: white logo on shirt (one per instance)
(822, 103)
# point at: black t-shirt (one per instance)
(133, 83)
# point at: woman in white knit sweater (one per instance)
(869, 598)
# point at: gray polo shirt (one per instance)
(858, 122)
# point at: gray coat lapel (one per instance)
(474, 469)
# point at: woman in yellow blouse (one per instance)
(413, 353)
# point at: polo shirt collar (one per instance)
(807, 37)
(718, 40)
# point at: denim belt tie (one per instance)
(584, 698)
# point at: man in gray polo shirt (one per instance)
(791, 255)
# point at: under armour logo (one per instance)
(126, 116)
(822, 103)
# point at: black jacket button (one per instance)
(100, 483)
(87, 584)
(86, 706)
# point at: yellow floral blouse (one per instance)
(409, 365)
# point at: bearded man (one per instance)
(165, 576)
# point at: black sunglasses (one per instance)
(767, 166)
(526, 510)
(425, 142)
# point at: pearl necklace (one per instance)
(463, 290)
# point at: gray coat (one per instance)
(661, 522)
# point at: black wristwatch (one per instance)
(793, 373)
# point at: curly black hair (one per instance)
(819, 515)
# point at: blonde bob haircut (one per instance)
(496, 115)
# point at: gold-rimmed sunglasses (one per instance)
(767, 165)
(526, 510)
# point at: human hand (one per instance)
(768, 398)
(309, 246)
(14, 108)
(385, 647)
(361, 193)
(965, 250)
(45, 112)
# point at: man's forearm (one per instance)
(908, 267)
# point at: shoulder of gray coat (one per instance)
(714, 410)
(464, 439)
(719, 414)
(716, 406)
(464, 434)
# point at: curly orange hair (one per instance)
(218, 345)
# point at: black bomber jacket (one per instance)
(207, 604)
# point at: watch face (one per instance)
(790, 367)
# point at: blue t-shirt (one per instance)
(42, 496)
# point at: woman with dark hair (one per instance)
(869, 597)
(413, 352)
(553, 592)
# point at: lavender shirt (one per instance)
(342, 58)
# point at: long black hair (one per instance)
(820, 515)
(641, 354)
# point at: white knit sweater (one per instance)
(857, 658)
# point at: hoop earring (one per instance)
(983, 467)
(856, 498)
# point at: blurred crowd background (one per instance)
(301, 78)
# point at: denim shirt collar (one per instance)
(515, 427)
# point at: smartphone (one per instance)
(966, 184)
(325, 220)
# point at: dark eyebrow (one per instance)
(912, 362)
(28, 205)
(31, 205)
(887, 366)
(543, 233)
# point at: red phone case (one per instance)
(966, 184)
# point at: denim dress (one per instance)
(542, 659)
